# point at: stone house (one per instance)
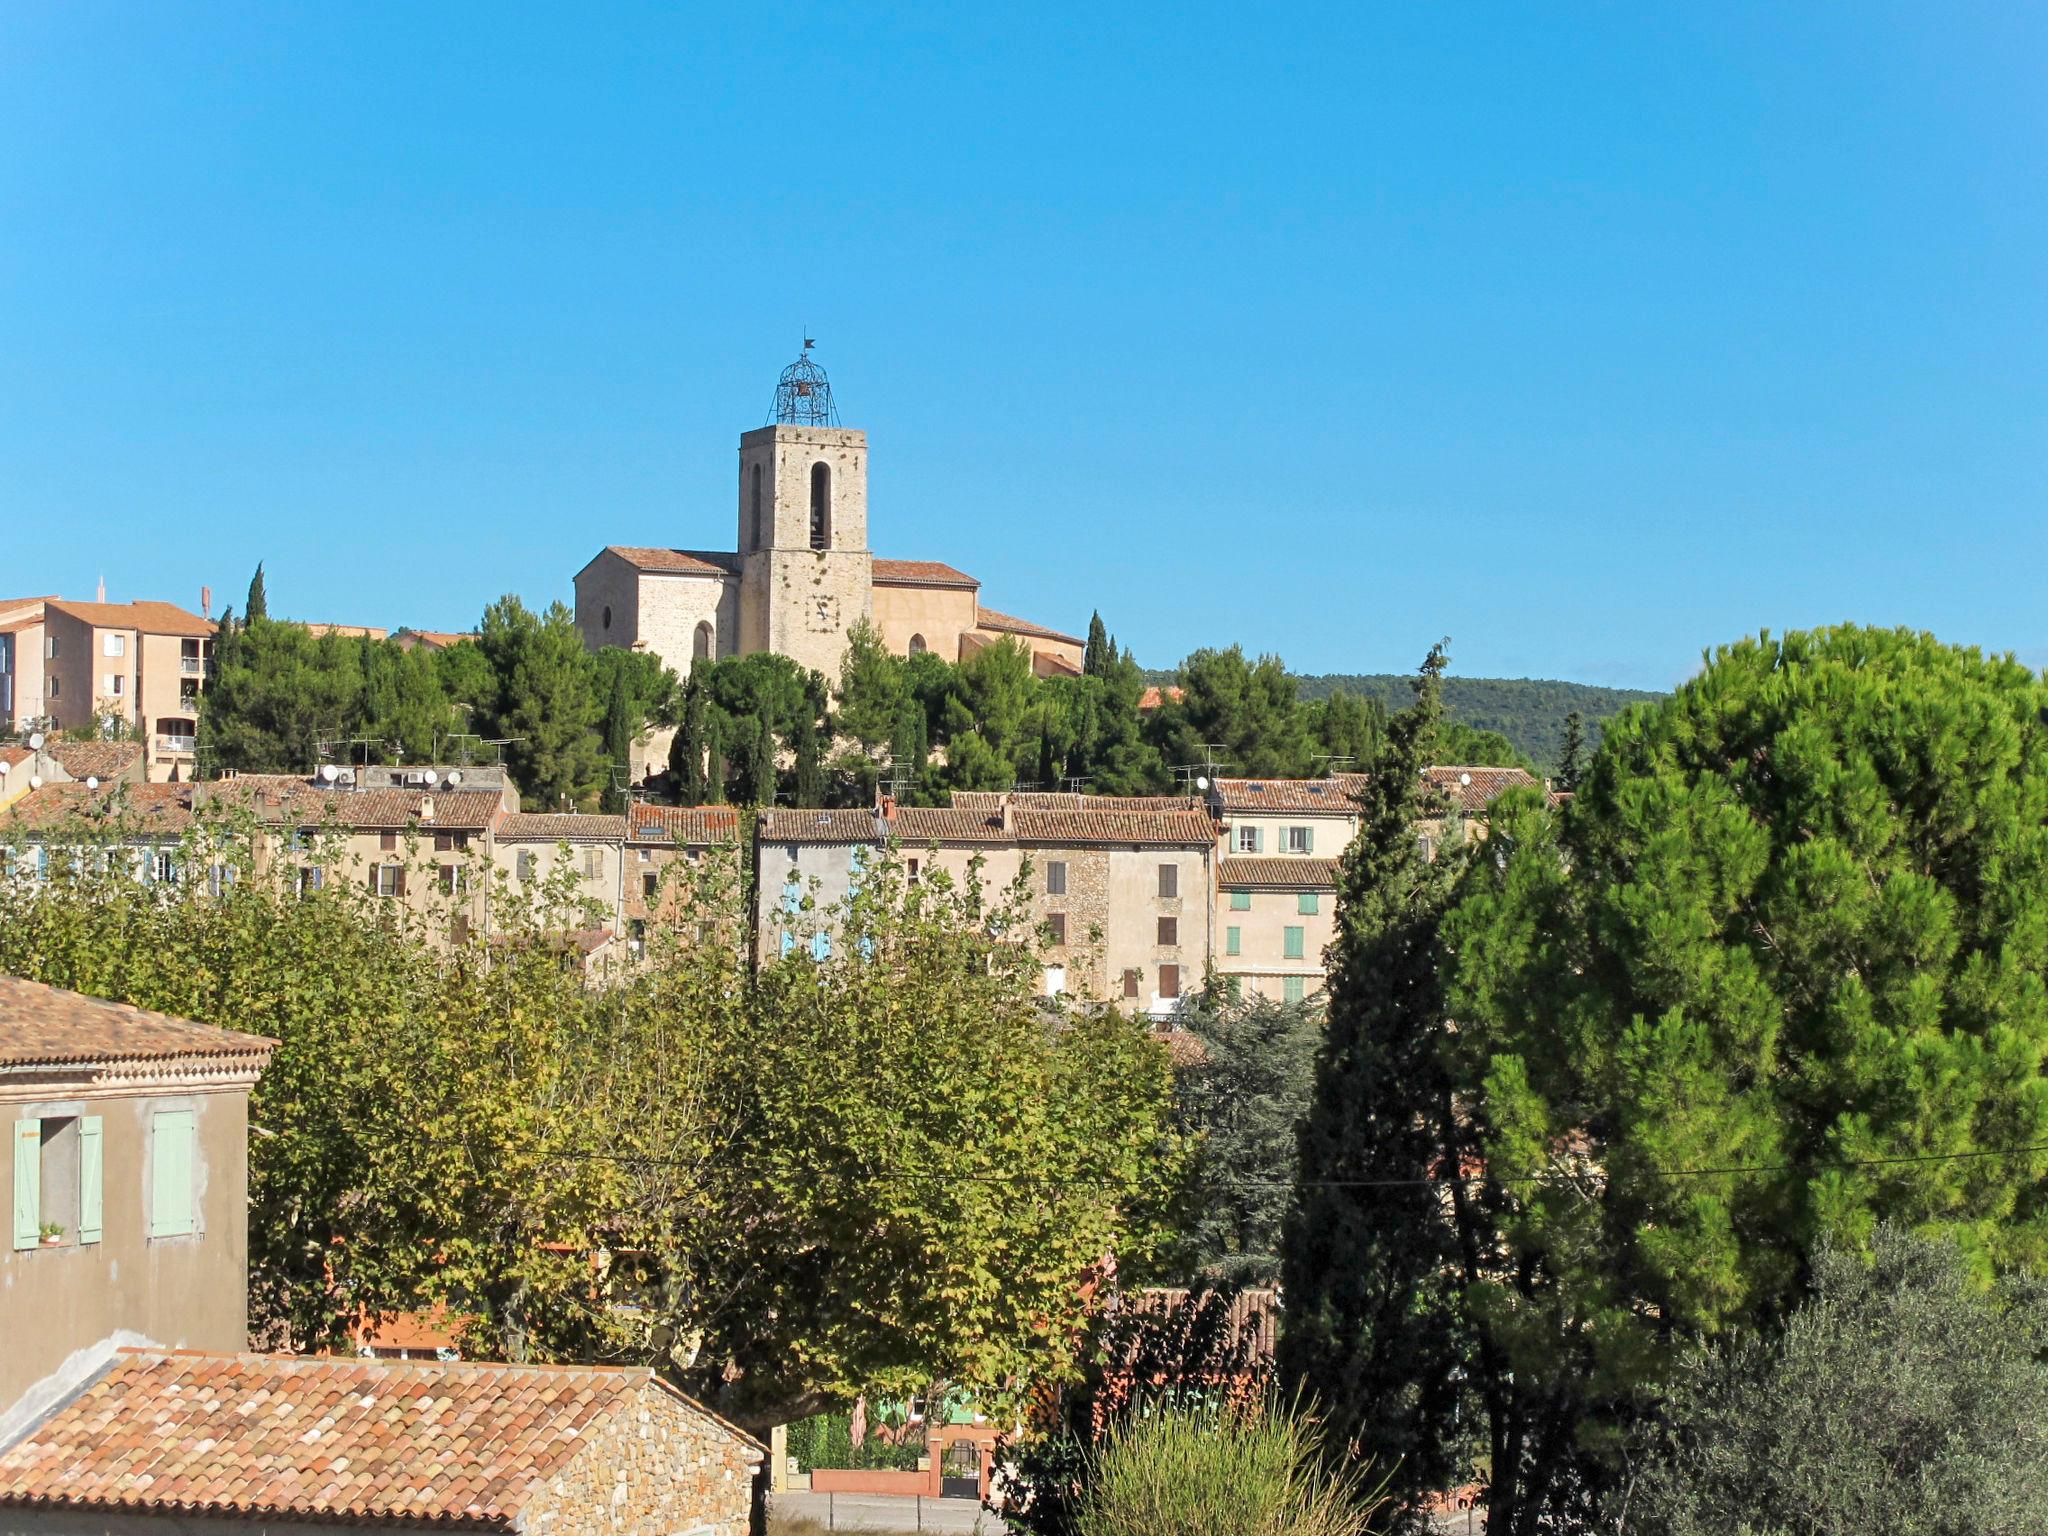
(160, 1439)
(127, 1167)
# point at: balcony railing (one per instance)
(180, 744)
(189, 665)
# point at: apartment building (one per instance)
(69, 665)
(1120, 887)
(1279, 842)
(127, 1136)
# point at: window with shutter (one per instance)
(1169, 881)
(1058, 924)
(387, 842)
(1056, 877)
(171, 1181)
(1233, 941)
(28, 1183)
(1240, 901)
(1301, 839)
(649, 883)
(1169, 931)
(1293, 941)
(1293, 988)
(1132, 981)
(1309, 904)
(91, 1177)
(1169, 981)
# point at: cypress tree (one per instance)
(759, 764)
(618, 743)
(258, 606)
(1100, 650)
(686, 753)
(810, 767)
(1568, 757)
(1366, 1254)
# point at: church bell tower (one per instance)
(806, 573)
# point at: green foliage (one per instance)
(1571, 755)
(1244, 1101)
(258, 606)
(1196, 1472)
(618, 742)
(1527, 712)
(688, 768)
(780, 1185)
(826, 1440)
(1100, 651)
(403, 704)
(1792, 922)
(278, 693)
(544, 705)
(1369, 1264)
(1246, 712)
(1903, 1399)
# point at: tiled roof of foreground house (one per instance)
(1474, 789)
(482, 1447)
(557, 827)
(1470, 789)
(818, 826)
(1280, 873)
(95, 759)
(1168, 828)
(286, 799)
(44, 1026)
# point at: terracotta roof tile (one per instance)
(1165, 828)
(285, 799)
(922, 824)
(12, 755)
(921, 573)
(1336, 795)
(95, 759)
(1474, 789)
(818, 826)
(1058, 800)
(48, 1026)
(988, 618)
(1152, 698)
(153, 809)
(378, 1441)
(433, 639)
(1277, 874)
(552, 827)
(687, 562)
(149, 618)
(684, 825)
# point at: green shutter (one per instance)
(1240, 901)
(1230, 941)
(170, 1177)
(1292, 989)
(1308, 904)
(1294, 950)
(90, 1164)
(1310, 833)
(28, 1183)
(1258, 839)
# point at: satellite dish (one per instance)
(454, 776)
(1202, 781)
(35, 741)
(4, 767)
(1464, 778)
(431, 777)
(92, 781)
(329, 773)
(35, 781)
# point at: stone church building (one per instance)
(802, 574)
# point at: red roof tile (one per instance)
(285, 799)
(555, 827)
(1164, 828)
(149, 618)
(686, 562)
(1336, 795)
(922, 824)
(95, 759)
(48, 1026)
(818, 826)
(1277, 874)
(988, 618)
(684, 825)
(401, 1442)
(921, 573)
(146, 809)
(1474, 789)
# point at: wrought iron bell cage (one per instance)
(803, 395)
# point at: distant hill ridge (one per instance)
(1528, 711)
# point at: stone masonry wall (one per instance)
(660, 1467)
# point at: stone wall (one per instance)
(941, 615)
(660, 1467)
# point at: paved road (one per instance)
(886, 1512)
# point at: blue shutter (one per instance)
(91, 1164)
(28, 1183)
(170, 1179)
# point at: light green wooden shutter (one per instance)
(1240, 901)
(28, 1183)
(1231, 940)
(1308, 904)
(1293, 941)
(1310, 834)
(170, 1180)
(89, 1179)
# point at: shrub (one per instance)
(1189, 1472)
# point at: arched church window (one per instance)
(760, 539)
(821, 505)
(917, 645)
(701, 650)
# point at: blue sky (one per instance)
(1587, 336)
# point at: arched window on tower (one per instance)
(917, 645)
(821, 505)
(701, 649)
(760, 529)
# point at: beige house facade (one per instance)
(143, 664)
(800, 577)
(127, 1163)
